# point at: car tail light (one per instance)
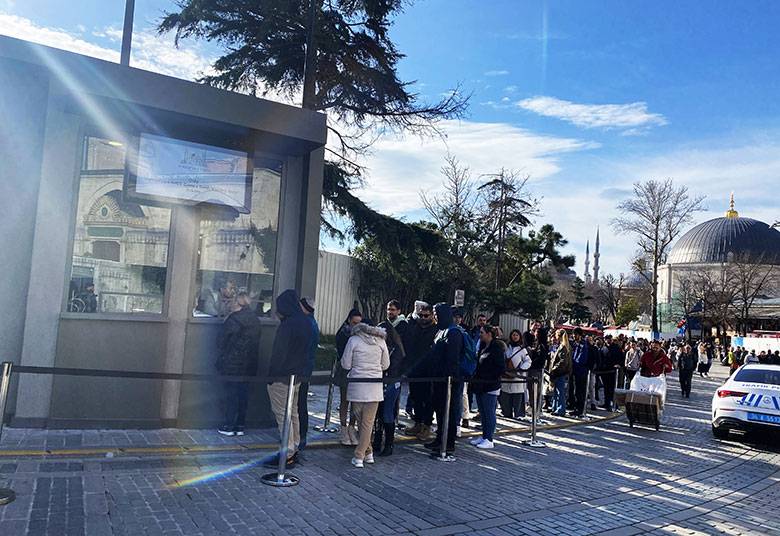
(723, 393)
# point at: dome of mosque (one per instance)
(716, 240)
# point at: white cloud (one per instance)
(606, 116)
(400, 168)
(498, 72)
(23, 28)
(150, 51)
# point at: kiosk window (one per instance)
(120, 248)
(238, 251)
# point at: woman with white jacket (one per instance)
(518, 361)
(365, 356)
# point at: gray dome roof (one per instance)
(713, 240)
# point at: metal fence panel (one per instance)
(336, 290)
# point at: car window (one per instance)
(758, 376)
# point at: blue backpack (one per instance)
(468, 355)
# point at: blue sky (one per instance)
(585, 97)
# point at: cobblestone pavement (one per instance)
(600, 478)
(15, 441)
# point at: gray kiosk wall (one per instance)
(51, 97)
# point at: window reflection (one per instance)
(120, 248)
(238, 251)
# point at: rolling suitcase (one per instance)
(644, 408)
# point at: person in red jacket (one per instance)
(655, 362)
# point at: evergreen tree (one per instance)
(576, 310)
(336, 57)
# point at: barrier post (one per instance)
(591, 374)
(614, 404)
(326, 427)
(6, 495)
(280, 479)
(442, 454)
(535, 405)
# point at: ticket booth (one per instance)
(135, 205)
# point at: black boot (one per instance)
(389, 437)
(376, 445)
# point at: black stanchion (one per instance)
(535, 405)
(442, 455)
(279, 479)
(6, 495)
(326, 427)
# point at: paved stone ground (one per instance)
(23, 439)
(601, 478)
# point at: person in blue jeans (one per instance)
(486, 382)
(560, 367)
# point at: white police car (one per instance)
(749, 400)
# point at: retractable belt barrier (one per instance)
(281, 478)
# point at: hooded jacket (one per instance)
(366, 356)
(448, 344)
(418, 345)
(239, 343)
(292, 343)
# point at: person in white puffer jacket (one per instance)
(365, 356)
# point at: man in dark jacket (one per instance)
(239, 344)
(289, 356)
(417, 365)
(686, 365)
(581, 366)
(394, 326)
(445, 358)
(307, 304)
(611, 359)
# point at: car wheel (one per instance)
(720, 433)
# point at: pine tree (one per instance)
(336, 57)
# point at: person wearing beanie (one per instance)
(289, 356)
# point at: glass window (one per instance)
(238, 251)
(120, 248)
(758, 375)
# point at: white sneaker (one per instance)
(475, 441)
(357, 463)
(369, 458)
(485, 444)
(457, 431)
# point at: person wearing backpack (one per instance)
(518, 361)
(487, 382)
(452, 355)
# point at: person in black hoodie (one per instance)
(445, 359)
(289, 356)
(486, 383)
(239, 344)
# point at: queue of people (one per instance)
(484, 365)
